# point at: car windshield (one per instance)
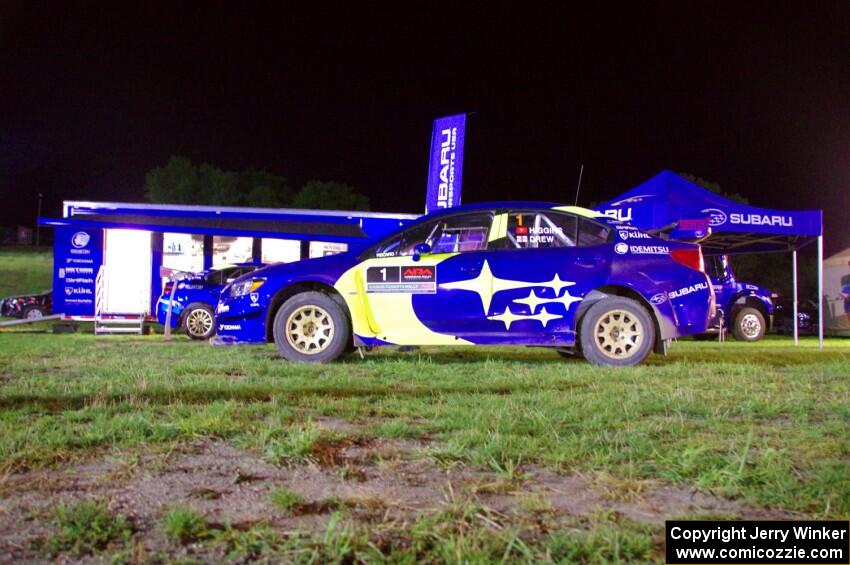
(452, 234)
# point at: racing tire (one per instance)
(749, 324)
(617, 331)
(311, 327)
(33, 312)
(199, 321)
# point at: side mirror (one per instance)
(420, 250)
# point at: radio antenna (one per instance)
(578, 186)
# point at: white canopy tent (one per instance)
(836, 290)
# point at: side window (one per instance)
(459, 234)
(453, 234)
(529, 229)
(220, 276)
(591, 233)
(715, 267)
(234, 274)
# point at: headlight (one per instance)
(241, 288)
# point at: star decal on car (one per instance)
(485, 284)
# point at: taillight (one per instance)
(166, 289)
(689, 257)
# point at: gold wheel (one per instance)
(199, 322)
(619, 334)
(309, 329)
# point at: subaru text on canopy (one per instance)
(513, 273)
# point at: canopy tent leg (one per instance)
(794, 284)
(820, 291)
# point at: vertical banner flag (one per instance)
(445, 168)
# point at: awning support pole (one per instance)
(794, 284)
(820, 291)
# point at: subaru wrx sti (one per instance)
(195, 298)
(517, 273)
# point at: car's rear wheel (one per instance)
(199, 321)
(749, 324)
(33, 312)
(617, 331)
(311, 327)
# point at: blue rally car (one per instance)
(196, 296)
(747, 309)
(514, 273)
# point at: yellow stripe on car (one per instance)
(389, 316)
(579, 211)
(499, 229)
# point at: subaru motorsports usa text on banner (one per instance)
(514, 273)
(445, 165)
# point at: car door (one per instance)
(542, 263)
(412, 298)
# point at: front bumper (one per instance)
(239, 320)
(162, 312)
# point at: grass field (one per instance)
(435, 455)
(24, 270)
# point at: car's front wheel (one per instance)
(749, 324)
(617, 331)
(311, 327)
(199, 321)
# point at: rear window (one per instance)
(592, 233)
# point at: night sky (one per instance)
(758, 100)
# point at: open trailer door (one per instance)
(127, 271)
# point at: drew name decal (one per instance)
(542, 234)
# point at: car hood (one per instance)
(328, 267)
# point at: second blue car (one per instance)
(196, 296)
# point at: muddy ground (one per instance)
(375, 481)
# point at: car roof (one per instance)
(515, 204)
(233, 266)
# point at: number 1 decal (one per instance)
(409, 279)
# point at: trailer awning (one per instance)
(337, 230)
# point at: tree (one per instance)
(176, 182)
(180, 181)
(217, 187)
(262, 189)
(329, 195)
